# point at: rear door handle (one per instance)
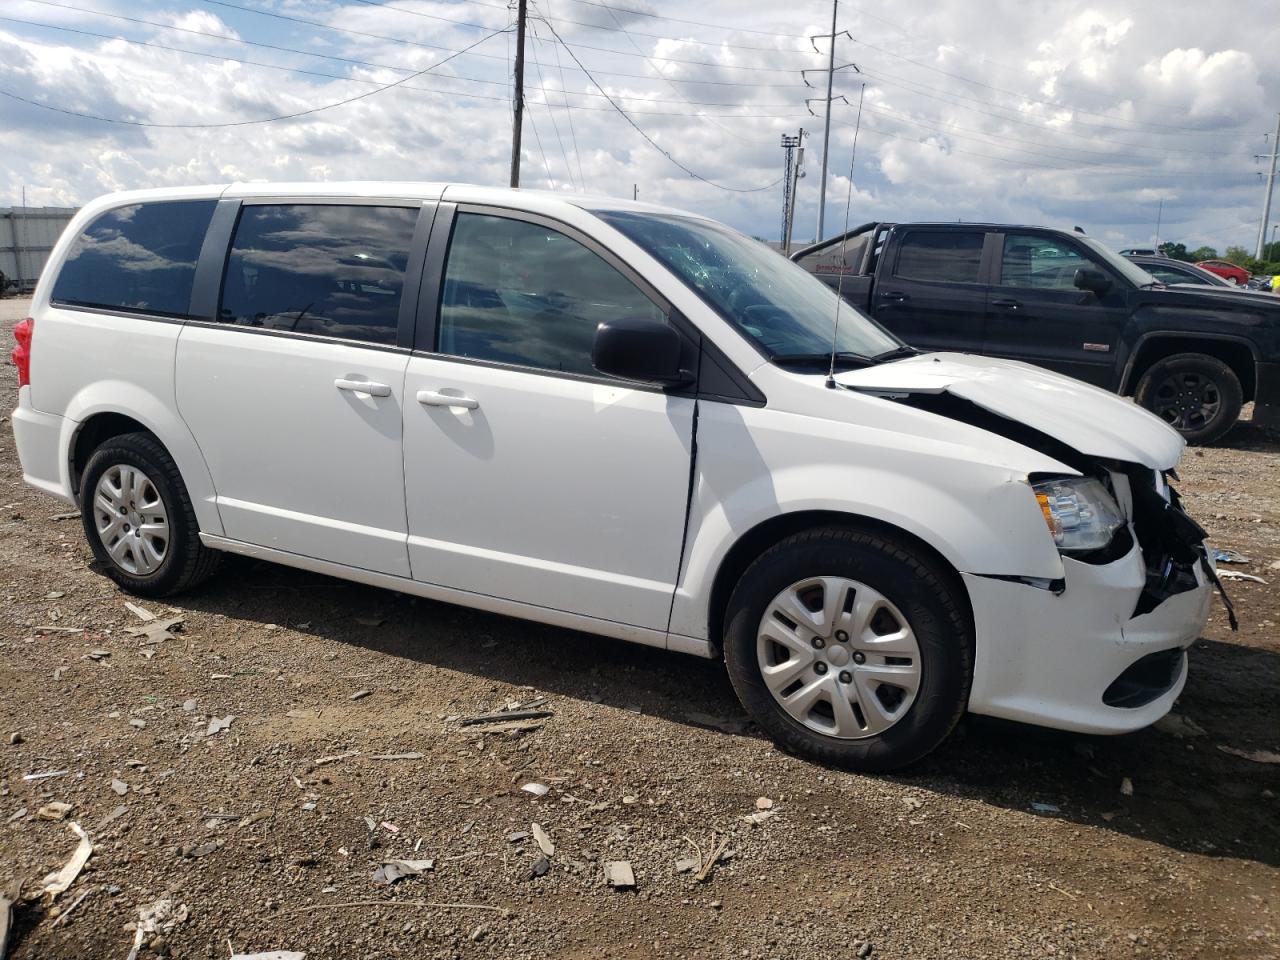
(894, 296)
(363, 386)
(433, 398)
(1007, 304)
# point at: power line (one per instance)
(640, 130)
(696, 23)
(245, 123)
(554, 126)
(567, 112)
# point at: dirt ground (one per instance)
(1155, 845)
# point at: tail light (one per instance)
(21, 355)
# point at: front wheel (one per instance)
(850, 648)
(1197, 395)
(139, 520)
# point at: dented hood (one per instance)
(1085, 418)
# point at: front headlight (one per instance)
(1079, 511)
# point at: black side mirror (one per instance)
(1094, 281)
(639, 349)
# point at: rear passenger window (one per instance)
(330, 269)
(521, 293)
(952, 256)
(139, 259)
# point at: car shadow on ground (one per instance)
(1186, 794)
(1247, 436)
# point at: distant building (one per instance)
(27, 235)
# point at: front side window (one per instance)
(1040, 263)
(331, 269)
(521, 293)
(139, 259)
(951, 256)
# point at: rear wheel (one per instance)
(850, 648)
(139, 520)
(1197, 395)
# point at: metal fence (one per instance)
(27, 234)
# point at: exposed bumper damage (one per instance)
(1103, 650)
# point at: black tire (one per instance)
(187, 562)
(931, 599)
(1197, 395)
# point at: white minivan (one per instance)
(617, 418)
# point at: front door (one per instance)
(530, 476)
(930, 292)
(294, 394)
(1036, 312)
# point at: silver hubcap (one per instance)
(839, 657)
(131, 520)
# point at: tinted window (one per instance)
(331, 269)
(516, 292)
(137, 258)
(952, 256)
(1041, 263)
(1172, 275)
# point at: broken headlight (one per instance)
(1080, 513)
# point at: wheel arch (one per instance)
(766, 534)
(1237, 353)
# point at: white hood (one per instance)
(1086, 418)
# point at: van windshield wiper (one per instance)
(897, 353)
(843, 358)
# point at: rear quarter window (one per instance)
(952, 256)
(140, 258)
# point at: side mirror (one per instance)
(639, 349)
(1094, 281)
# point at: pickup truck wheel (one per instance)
(1197, 395)
(850, 649)
(139, 520)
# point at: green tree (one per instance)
(1175, 251)
(1240, 257)
(1203, 253)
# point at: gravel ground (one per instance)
(1154, 845)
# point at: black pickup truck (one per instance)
(1064, 301)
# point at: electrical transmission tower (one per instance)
(1271, 159)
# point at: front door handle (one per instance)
(1007, 304)
(894, 296)
(363, 386)
(433, 398)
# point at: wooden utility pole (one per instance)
(518, 99)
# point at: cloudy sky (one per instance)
(1042, 111)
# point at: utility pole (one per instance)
(1159, 217)
(826, 131)
(797, 171)
(1271, 180)
(789, 145)
(635, 191)
(518, 99)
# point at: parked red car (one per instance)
(1227, 271)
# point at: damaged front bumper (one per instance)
(1100, 651)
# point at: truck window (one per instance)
(1040, 263)
(137, 259)
(951, 256)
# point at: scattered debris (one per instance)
(711, 861)
(757, 817)
(55, 811)
(98, 655)
(189, 706)
(269, 955)
(15, 738)
(142, 613)
(517, 837)
(57, 882)
(120, 787)
(511, 726)
(396, 756)
(388, 826)
(1257, 756)
(619, 875)
(65, 516)
(1176, 725)
(426, 904)
(14, 818)
(1237, 575)
(1046, 808)
(160, 917)
(53, 629)
(217, 725)
(109, 819)
(506, 715)
(537, 789)
(62, 917)
(539, 868)
(393, 870)
(201, 850)
(1126, 787)
(157, 631)
(44, 776)
(360, 694)
(543, 841)
(325, 761)
(764, 803)
(137, 724)
(1223, 555)
(912, 803)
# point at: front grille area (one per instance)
(1145, 680)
